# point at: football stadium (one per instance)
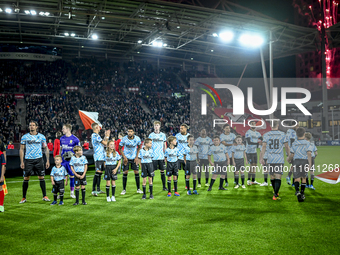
(164, 126)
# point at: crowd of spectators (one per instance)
(9, 129)
(33, 76)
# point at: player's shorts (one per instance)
(220, 168)
(190, 167)
(78, 182)
(34, 166)
(67, 166)
(133, 165)
(58, 187)
(108, 173)
(299, 168)
(99, 165)
(147, 170)
(239, 162)
(172, 168)
(181, 164)
(204, 162)
(275, 168)
(158, 164)
(252, 158)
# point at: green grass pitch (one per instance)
(219, 222)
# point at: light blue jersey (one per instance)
(171, 154)
(111, 160)
(182, 141)
(203, 145)
(229, 139)
(254, 137)
(98, 147)
(238, 151)
(190, 152)
(300, 148)
(146, 155)
(33, 144)
(58, 173)
(158, 145)
(291, 136)
(218, 152)
(275, 141)
(130, 146)
(78, 163)
(314, 149)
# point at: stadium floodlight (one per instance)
(140, 41)
(215, 35)
(8, 10)
(66, 34)
(226, 36)
(165, 45)
(27, 12)
(73, 34)
(94, 37)
(0, 10)
(103, 17)
(251, 40)
(33, 12)
(41, 13)
(47, 13)
(157, 44)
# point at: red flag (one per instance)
(88, 118)
(331, 177)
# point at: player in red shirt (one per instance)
(120, 136)
(10, 146)
(2, 178)
(56, 150)
(86, 145)
(50, 145)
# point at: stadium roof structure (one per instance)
(128, 28)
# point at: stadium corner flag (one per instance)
(88, 118)
(331, 177)
(4, 187)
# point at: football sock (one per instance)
(99, 178)
(169, 186)
(94, 182)
(55, 197)
(187, 183)
(82, 195)
(163, 179)
(150, 186)
(144, 189)
(194, 184)
(107, 190)
(137, 181)
(2, 197)
(113, 190)
(273, 183)
(77, 196)
(226, 177)
(61, 197)
(43, 186)
(253, 177)
(207, 175)
(124, 181)
(307, 181)
(265, 177)
(199, 180)
(311, 179)
(221, 183)
(24, 188)
(236, 178)
(293, 180)
(207, 180)
(175, 185)
(303, 186)
(212, 183)
(71, 184)
(296, 184)
(242, 178)
(277, 186)
(249, 176)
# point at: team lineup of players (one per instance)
(169, 155)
